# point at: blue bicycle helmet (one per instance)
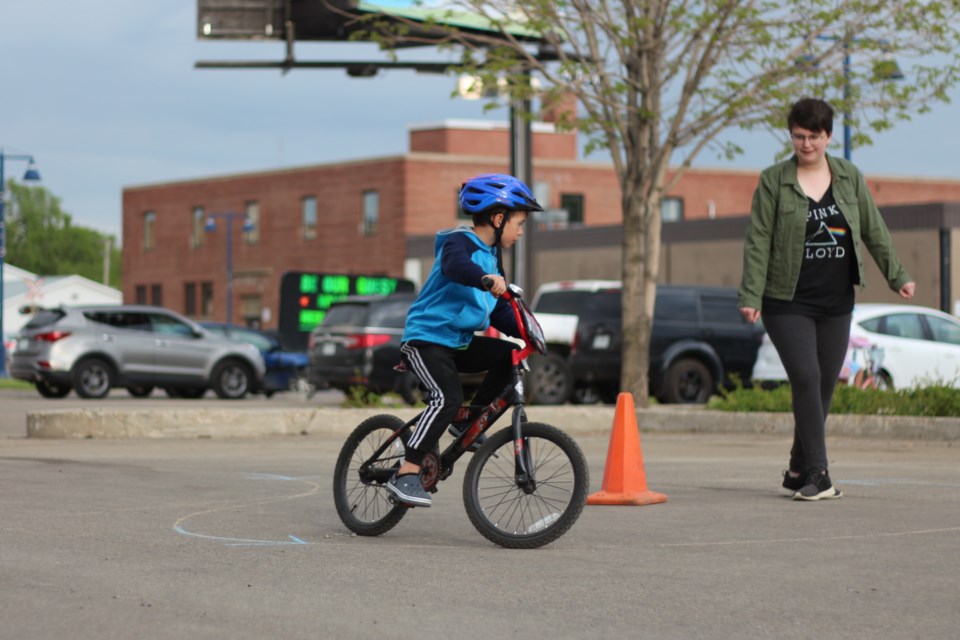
(492, 190)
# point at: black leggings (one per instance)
(438, 368)
(812, 351)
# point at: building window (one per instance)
(149, 231)
(156, 295)
(206, 299)
(190, 299)
(141, 294)
(371, 212)
(309, 217)
(251, 307)
(671, 209)
(572, 203)
(197, 228)
(253, 217)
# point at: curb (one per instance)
(252, 423)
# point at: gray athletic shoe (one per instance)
(409, 490)
(817, 486)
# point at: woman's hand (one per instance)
(751, 315)
(906, 291)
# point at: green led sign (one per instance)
(305, 298)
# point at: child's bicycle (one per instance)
(862, 367)
(525, 487)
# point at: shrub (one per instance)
(936, 400)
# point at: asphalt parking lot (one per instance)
(239, 538)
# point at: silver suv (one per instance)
(93, 348)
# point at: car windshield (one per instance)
(346, 314)
(390, 314)
(260, 341)
(603, 305)
(571, 302)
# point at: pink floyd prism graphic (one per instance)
(825, 242)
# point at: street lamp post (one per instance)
(210, 227)
(890, 72)
(32, 175)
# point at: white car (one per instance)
(920, 346)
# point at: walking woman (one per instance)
(811, 218)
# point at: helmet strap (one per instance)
(498, 231)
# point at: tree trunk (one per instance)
(641, 261)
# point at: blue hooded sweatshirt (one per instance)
(453, 303)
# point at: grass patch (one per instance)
(362, 398)
(936, 400)
(10, 383)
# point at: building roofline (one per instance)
(481, 125)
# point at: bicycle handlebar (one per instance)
(509, 294)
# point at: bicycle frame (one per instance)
(439, 466)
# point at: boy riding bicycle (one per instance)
(439, 340)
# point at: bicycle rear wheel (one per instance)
(359, 490)
(502, 512)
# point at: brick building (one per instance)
(379, 215)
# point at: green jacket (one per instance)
(773, 250)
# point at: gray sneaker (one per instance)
(409, 490)
(817, 486)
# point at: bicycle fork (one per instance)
(523, 462)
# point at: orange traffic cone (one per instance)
(624, 480)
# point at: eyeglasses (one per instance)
(800, 139)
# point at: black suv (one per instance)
(699, 341)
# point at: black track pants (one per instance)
(438, 368)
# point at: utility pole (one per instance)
(106, 260)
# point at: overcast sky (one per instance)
(104, 94)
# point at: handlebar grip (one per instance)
(487, 282)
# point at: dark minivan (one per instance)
(699, 342)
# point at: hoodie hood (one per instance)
(443, 235)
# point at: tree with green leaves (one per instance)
(659, 82)
(42, 238)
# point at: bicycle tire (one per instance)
(507, 516)
(365, 506)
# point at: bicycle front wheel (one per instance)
(359, 490)
(509, 516)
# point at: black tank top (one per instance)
(825, 286)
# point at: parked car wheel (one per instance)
(50, 390)
(585, 395)
(884, 381)
(687, 381)
(231, 380)
(92, 378)
(140, 392)
(549, 379)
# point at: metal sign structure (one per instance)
(337, 20)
